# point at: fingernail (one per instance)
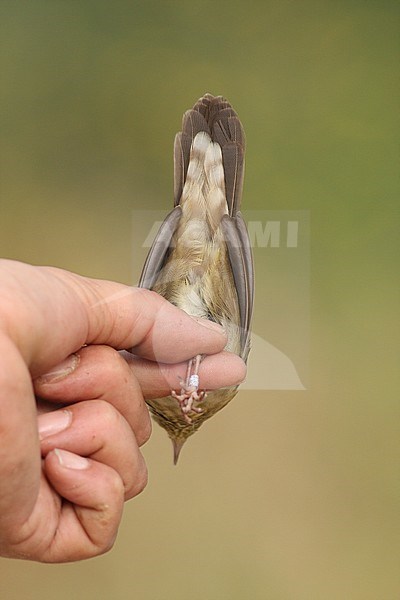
(53, 422)
(61, 370)
(70, 460)
(210, 325)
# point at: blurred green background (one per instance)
(283, 495)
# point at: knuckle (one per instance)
(139, 482)
(116, 488)
(106, 412)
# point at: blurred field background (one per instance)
(285, 495)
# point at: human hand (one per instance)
(65, 474)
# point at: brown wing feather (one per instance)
(159, 249)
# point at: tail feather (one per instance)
(215, 116)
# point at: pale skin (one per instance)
(69, 460)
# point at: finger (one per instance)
(89, 521)
(100, 373)
(97, 430)
(172, 335)
(65, 311)
(215, 372)
(19, 447)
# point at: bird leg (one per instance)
(190, 390)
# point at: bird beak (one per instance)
(177, 445)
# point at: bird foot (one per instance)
(186, 399)
(190, 391)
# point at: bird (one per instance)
(201, 259)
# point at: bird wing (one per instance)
(159, 250)
(240, 256)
